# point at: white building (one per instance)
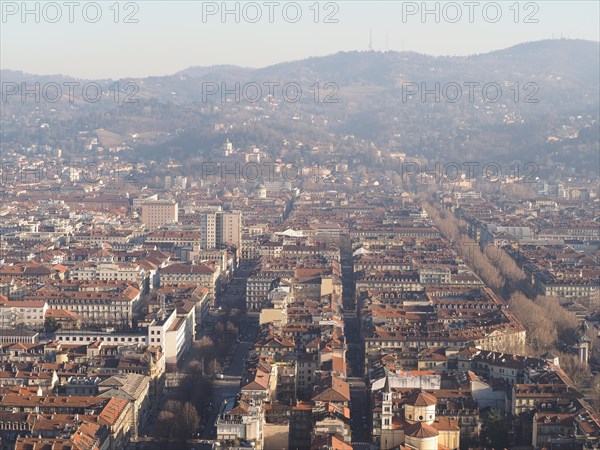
(220, 228)
(174, 334)
(89, 271)
(29, 313)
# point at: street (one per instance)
(359, 413)
(222, 390)
(227, 388)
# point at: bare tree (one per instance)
(566, 322)
(190, 420)
(455, 231)
(541, 331)
(578, 371)
(166, 424)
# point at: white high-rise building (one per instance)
(220, 228)
(227, 148)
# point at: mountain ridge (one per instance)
(550, 97)
(522, 50)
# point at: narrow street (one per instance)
(359, 414)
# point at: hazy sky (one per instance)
(172, 35)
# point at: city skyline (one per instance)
(299, 225)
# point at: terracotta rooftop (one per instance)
(421, 399)
(420, 430)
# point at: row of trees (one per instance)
(552, 328)
(496, 267)
(178, 421)
(182, 414)
(189, 405)
(549, 326)
(206, 356)
(546, 321)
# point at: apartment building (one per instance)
(201, 274)
(135, 389)
(28, 313)
(89, 271)
(157, 213)
(113, 304)
(258, 287)
(220, 228)
(174, 238)
(114, 413)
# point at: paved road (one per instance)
(227, 389)
(235, 293)
(240, 355)
(355, 353)
(359, 417)
(222, 390)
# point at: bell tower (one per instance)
(387, 413)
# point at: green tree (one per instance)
(51, 325)
(495, 429)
